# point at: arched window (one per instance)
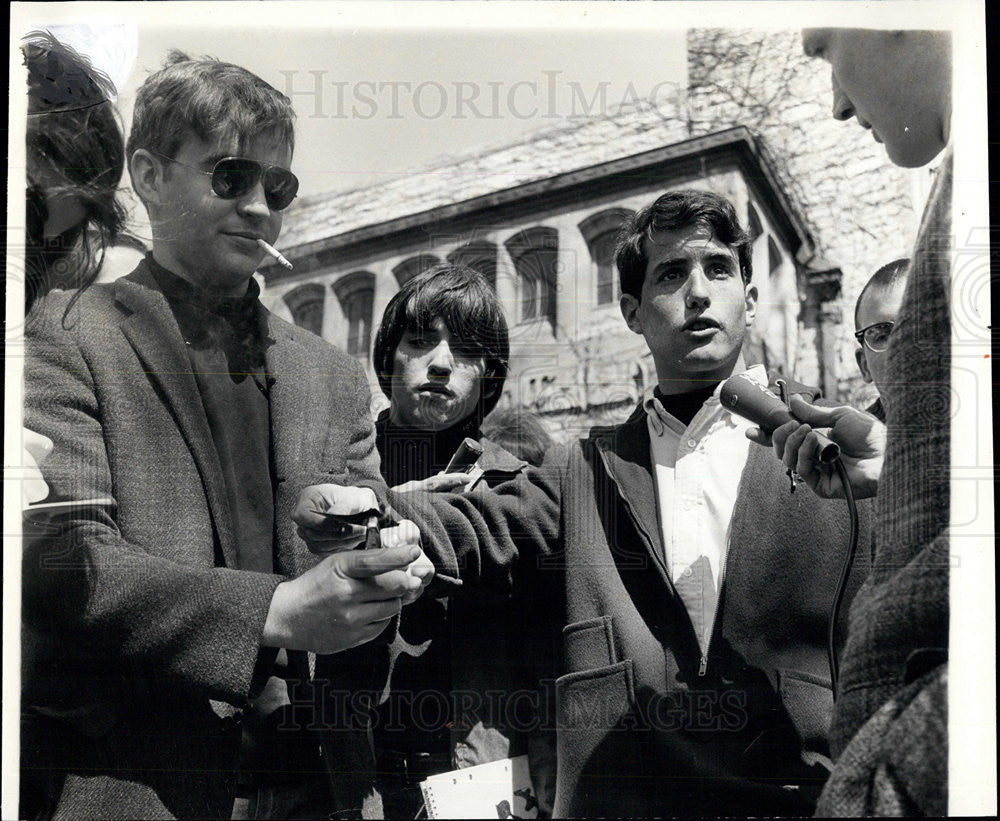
(535, 252)
(602, 249)
(600, 230)
(480, 256)
(409, 268)
(356, 293)
(306, 306)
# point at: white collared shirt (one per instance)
(697, 471)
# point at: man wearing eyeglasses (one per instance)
(874, 315)
(168, 613)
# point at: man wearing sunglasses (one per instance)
(874, 315)
(168, 615)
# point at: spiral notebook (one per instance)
(500, 789)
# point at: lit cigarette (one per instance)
(274, 252)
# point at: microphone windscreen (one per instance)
(756, 403)
(753, 401)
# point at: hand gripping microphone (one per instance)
(752, 401)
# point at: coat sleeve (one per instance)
(492, 540)
(364, 465)
(184, 626)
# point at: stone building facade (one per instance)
(860, 209)
(537, 218)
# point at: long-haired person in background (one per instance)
(441, 357)
(75, 160)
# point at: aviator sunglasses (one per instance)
(232, 177)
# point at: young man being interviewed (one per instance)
(689, 590)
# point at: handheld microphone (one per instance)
(746, 398)
(465, 457)
(466, 460)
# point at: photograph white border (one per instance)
(972, 677)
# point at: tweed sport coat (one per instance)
(642, 729)
(140, 639)
(899, 622)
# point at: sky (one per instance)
(373, 103)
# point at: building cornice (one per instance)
(688, 160)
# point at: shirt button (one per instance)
(691, 443)
(687, 571)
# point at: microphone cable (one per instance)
(845, 574)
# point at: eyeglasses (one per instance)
(232, 177)
(876, 336)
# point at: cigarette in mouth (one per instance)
(275, 253)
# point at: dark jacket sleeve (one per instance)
(196, 627)
(490, 539)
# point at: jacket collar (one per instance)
(152, 331)
(659, 418)
(303, 395)
(500, 460)
(495, 458)
(624, 450)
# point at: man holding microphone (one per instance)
(890, 722)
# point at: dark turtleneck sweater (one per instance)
(684, 406)
(417, 716)
(225, 346)
(416, 454)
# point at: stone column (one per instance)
(823, 286)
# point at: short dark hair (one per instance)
(885, 277)
(468, 305)
(219, 102)
(74, 135)
(519, 431)
(671, 211)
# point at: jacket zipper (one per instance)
(703, 664)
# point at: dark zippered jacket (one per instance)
(643, 727)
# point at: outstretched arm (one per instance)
(861, 438)
(485, 539)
